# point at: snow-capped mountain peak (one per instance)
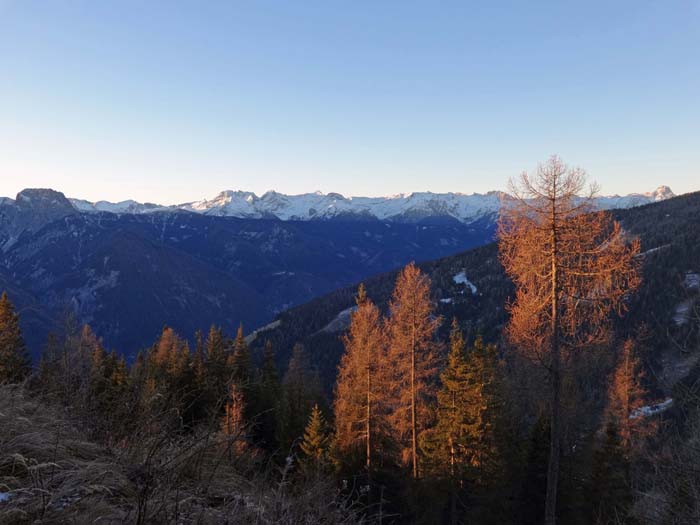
(402, 207)
(662, 193)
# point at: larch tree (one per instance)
(411, 366)
(358, 407)
(233, 420)
(15, 364)
(571, 267)
(315, 442)
(626, 395)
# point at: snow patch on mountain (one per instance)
(250, 338)
(123, 207)
(340, 322)
(651, 410)
(461, 278)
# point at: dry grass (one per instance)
(53, 475)
(48, 470)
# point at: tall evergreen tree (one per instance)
(300, 390)
(485, 412)
(358, 405)
(217, 370)
(610, 494)
(412, 361)
(267, 398)
(533, 488)
(199, 359)
(449, 441)
(47, 377)
(464, 445)
(15, 363)
(240, 362)
(241, 371)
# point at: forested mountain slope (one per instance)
(129, 274)
(473, 287)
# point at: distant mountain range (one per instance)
(129, 268)
(309, 206)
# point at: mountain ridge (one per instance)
(403, 207)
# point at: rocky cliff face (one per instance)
(30, 211)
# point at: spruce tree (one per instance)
(610, 494)
(485, 409)
(241, 371)
(239, 361)
(217, 372)
(15, 364)
(199, 359)
(300, 390)
(47, 377)
(267, 398)
(533, 488)
(201, 393)
(315, 442)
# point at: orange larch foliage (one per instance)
(412, 361)
(572, 267)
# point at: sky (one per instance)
(175, 101)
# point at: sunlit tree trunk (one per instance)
(555, 409)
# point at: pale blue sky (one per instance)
(172, 101)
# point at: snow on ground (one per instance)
(447, 300)
(651, 410)
(653, 250)
(682, 314)
(692, 281)
(251, 336)
(461, 278)
(341, 321)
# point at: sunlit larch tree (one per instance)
(358, 405)
(233, 421)
(571, 268)
(315, 442)
(626, 395)
(412, 363)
